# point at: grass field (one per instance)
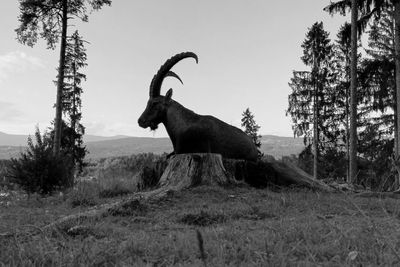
(206, 226)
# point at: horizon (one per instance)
(246, 57)
(128, 136)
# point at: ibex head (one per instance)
(157, 105)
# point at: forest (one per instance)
(323, 100)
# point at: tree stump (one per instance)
(187, 170)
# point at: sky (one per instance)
(247, 52)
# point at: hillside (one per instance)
(103, 147)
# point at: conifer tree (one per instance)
(251, 129)
(72, 103)
(378, 140)
(48, 19)
(308, 101)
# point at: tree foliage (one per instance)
(72, 128)
(311, 101)
(43, 18)
(37, 170)
(48, 19)
(251, 128)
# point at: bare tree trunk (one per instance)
(396, 141)
(397, 75)
(60, 82)
(347, 138)
(315, 122)
(316, 139)
(73, 117)
(353, 93)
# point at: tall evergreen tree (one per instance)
(75, 60)
(377, 77)
(342, 59)
(48, 19)
(251, 128)
(353, 94)
(337, 120)
(308, 102)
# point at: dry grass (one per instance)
(237, 227)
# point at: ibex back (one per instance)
(191, 132)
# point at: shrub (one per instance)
(38, 170)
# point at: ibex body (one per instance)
(188, 131)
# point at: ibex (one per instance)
(188, 131)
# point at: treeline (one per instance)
(320, 102)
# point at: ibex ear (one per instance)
(168, 95)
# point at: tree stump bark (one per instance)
(187, 170)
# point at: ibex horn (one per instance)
(156, 82)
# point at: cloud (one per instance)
(17, 61)
(9, 112)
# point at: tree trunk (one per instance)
(315, 118)
(316, 139)
(397, 75)
(353, 93)
(60, 81)
(348, 179)
(188, 170)
(74, 108)
(396, 145)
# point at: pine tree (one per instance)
(378, 140)
(341, 90)
(251, 129)
(48, 19)
(72, 102)
(72, 130)
(308, 102)
(378, 75)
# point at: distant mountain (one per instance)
(128, 146)
(102, 147)
(279, 146)
(96, 138)
(13, 139)
(276, 146)
(20, 140)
